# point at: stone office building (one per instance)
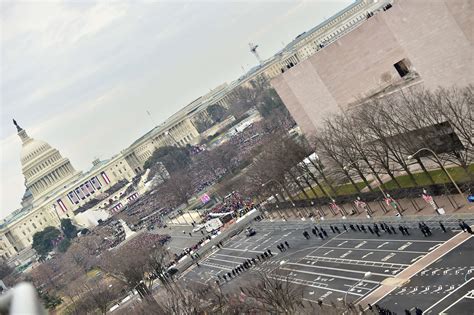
(404, 43)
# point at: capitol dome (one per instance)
(31, 149)
(43, 166)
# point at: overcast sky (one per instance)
(81, 75)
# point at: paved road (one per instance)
(440, 287)
(332, 268)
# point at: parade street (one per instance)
(334, 267)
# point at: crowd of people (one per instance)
(244, 266)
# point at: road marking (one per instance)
(416, 258)
(388, 257)
(432, 306)
(413, 291)
(368, 254)
(239, 257)
(451, 288)
(243, 250)
(468, 295)
(405, 245)
(383, 244)
(381, 292)
(440, 287)
(357, 262)
(389, 240)
(328, 252)
(378, 250)
(360, 244)
(325, 286)
(342, 243)
(434, 247)
(425, 290)
(345, 254)
(339, 269)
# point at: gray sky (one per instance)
(80, 75)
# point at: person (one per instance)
(321, 235)
(344, 226)
(441, 225)
(370, 307)
(233, 272)
(377, 232)
(332, 229)
(270, 252)
(382, 227)
(388, 231)
(337, 230)
(428, 230)
(418, 311)
(197, 264)
(423, 231)
(279, 248)
(314, 231)
(320, 303)
(467, 227)
(316, 228)
(363, 228)
(370, 229)
(287, 245)
(406, 230)
(462, 225)
(402, 230)
(253, 261)
(352, 227)
(376, 228)
(325, 233)
(407, 312)
(225, 277)
(358, 227)
(393, 229)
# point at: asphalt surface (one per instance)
(331, 269)
(440, 288)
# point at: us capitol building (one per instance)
(54, 190)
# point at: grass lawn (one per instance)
(345, 189)
(457, 173)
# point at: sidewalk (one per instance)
(408, 206)
(392, 283)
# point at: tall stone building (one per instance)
(402, 44)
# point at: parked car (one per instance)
(250, 232)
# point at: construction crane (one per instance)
(253, 50)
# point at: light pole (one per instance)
(442, 167)
(366, 276)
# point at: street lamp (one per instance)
(440, 164)
(367, 275)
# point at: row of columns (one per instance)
(51, 178)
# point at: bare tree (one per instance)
(273, 295)
(177, 189)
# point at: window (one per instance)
(402, 67)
